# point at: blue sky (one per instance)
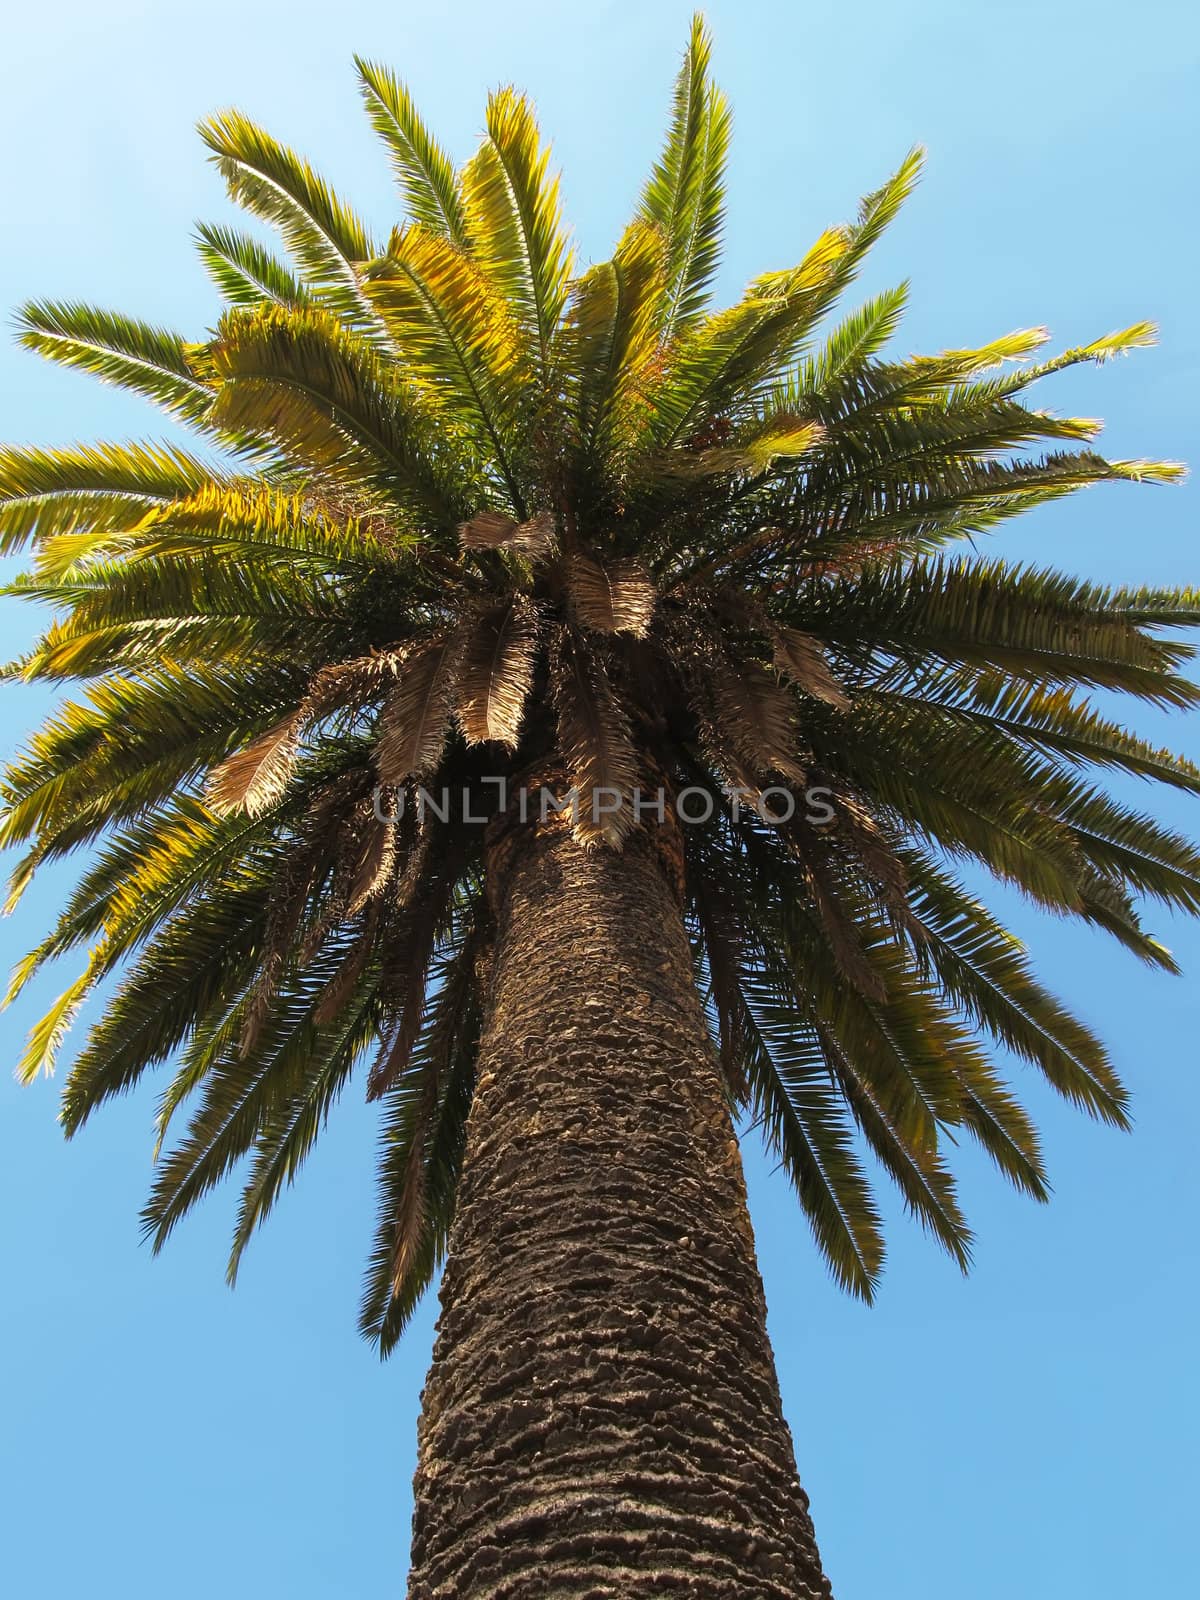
(1030, 1430)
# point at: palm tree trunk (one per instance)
(602, 1416)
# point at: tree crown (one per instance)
(460, 511)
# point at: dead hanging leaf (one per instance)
(498, 675)
(345, 980)
(353, 683)
(489, 530)
(492, 530)
(800, 659)
(376, 862)
(537, 538)
(845, 941)
(595, 741)
(756, 718)
(414, 722)
(616, 598)
(252, 779)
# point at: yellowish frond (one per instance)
(47, 1034)
(514, 223)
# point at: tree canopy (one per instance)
(459, 508)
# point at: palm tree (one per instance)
(469, 533)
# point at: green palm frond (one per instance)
(615, 336)
(241, 1093)
(1055, 721)
(457, 337)
(257, 523)
(133, 355)
(197, 965)
(87, 493)
(328, 241)
(805, 1125)
(683, 199)
(245, 273)
(423, 1137)
(423, 170)
(290, 1129)
(983, 969)
(136, 739)
(1037, 626)
(302, 378)
(853, 342)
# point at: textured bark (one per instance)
(602, 1416)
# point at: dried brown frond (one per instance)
(413, 863)
(487, 530)
(353, 683)
(329, 844)
(252, 779)
(595, 741)
(492, 530)
(415, 719)
(498, 674)
(617, 598)
(696, 651)
(375, 867)
(345, 980)
(345, 503)
(797, 657)
(756, 717)
(800, 659)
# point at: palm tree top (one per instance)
(458, 511)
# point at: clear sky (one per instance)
(1030, 1431)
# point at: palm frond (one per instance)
(245, 273)
(298, 376)
(684, 196)
(415, 721)
(422, 168)
(87, 493)
(617, 597)
(513, 221)
(497, 675)
(117, 349)
(614, 336)
(456, 335)
(595, 740)
(328, 241)
(422, 1145)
